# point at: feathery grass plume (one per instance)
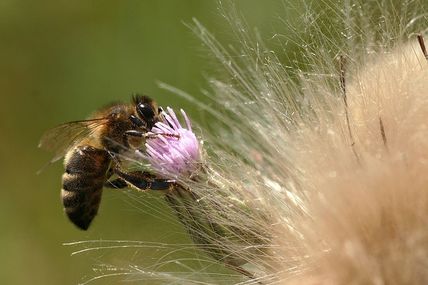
(318, 172)
(314, 169)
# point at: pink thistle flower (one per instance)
(174, 151)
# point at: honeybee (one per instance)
(91, 150)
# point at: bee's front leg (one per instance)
(129, 135)
(139, 180)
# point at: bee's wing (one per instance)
(59, 139)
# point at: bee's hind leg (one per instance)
(139, 180)
(118, 183)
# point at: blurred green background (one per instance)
(61, 60)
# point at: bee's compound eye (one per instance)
(145, 111)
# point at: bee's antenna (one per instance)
(422, 45)
(156, 135)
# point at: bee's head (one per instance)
(147, 111)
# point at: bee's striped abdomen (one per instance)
(82, 183)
